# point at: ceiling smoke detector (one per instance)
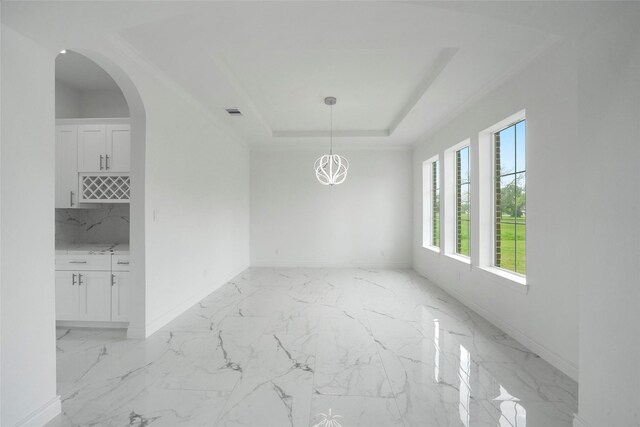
(233, 111)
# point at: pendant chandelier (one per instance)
(331, 169)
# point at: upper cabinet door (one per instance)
(118, 156)
(92, 148)
(66, 166)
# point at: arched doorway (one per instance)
(136, 239)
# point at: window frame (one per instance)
(485, 207)
(431, 176)
(494, 194)
(449, 223)
(457, 197)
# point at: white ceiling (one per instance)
(400, 70)
(79, 72)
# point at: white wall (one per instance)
(197, 188)
(545, 319)
(72, 103)
(67, 102)
(28, 318)
(195, 177)
(609, 232)
(296, 221)
(103, 103)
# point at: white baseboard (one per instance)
(307, 264)
(42, 415)
(564, 365)
(88, 324)
(167, 317)
(579, 422)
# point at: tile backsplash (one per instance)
(106, 224)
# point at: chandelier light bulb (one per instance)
(331, 169)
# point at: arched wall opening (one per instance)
(137, 117)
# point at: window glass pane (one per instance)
(436, 230)
(507, 151)
(507, 246)
(464, 201)
(521, 249)
(464, 165)
(520, 197)
(520, 146)
(464, 237)
(435, 238)
(511, 204)
(506, 202)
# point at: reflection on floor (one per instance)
(302, 347)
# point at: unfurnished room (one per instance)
(320, 213)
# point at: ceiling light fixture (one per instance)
(63, 51)
(331, 169)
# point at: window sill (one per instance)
(502, 277)
(432, 248)
(460, 258)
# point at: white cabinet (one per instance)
(95, 295)
(120, 288)
(92, 147)
(83, 295)
(67, 295)
(87, 289)
(66, 172)
(93, 160)
(118, 148)
(104, 148)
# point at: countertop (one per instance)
(92, 249)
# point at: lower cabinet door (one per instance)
(67, 296)
(95, 295)
(120, 296)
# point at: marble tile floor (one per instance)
(301, 347)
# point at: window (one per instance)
(435, 203)
(463, 202)
(510, 198)
(431, 197)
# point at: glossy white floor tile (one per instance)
(300, 347)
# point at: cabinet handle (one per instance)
(73, 280)
(101, 159)
(123, 262)
(113, 279)
(77, 262)
(79, 279)
(71, 198)
(106, 162)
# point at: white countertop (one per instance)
(92, 248)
